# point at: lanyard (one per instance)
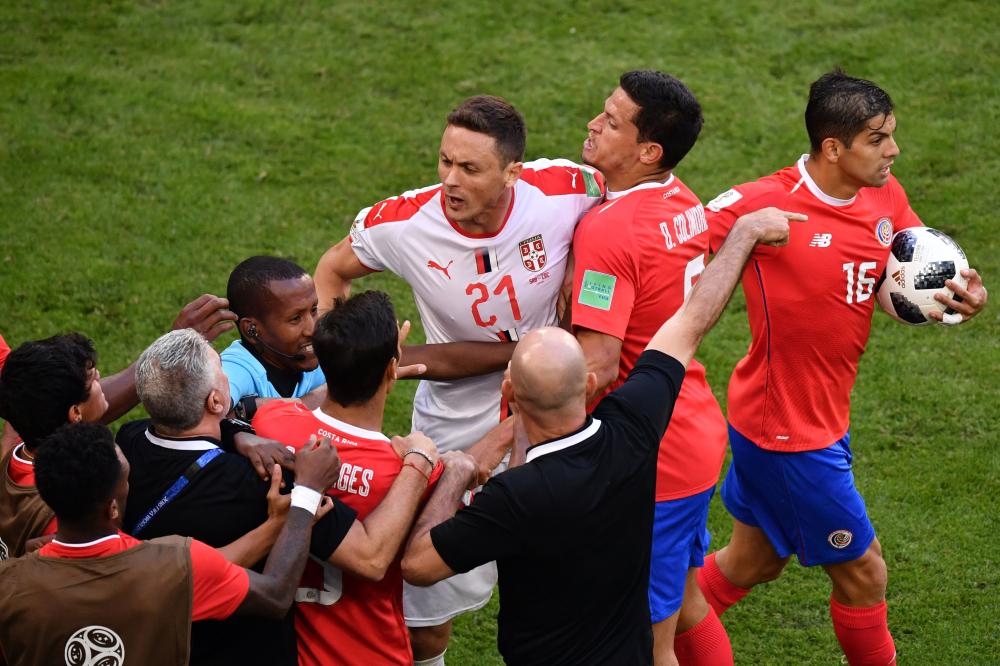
(175, 490)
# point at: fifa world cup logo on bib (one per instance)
(532, 252)
(95, 646)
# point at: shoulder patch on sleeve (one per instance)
(597, 289)
(727, 198)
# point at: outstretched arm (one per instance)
(207, 314)
(336, 269)
(371, 546)
(680, 335)
(271, 593)
(422, 564)
(254, 545)
(455, 360)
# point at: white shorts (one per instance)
(434, 605)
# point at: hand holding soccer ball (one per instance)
(927, 278)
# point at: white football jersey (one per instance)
(478, 287)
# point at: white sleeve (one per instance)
(373, 246)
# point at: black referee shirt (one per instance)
(571, 531)
(224, 501)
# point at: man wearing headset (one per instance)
(275, 301)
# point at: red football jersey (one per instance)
(637, 257)
(341, 618)
(809, 304)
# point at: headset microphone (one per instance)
(252, 332)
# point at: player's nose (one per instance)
(892, 148)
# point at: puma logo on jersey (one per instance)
(438, 267)
(378, 213)
(821, 240)
(572, 184)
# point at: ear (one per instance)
(113, 510)
(245, 324)
(74, 414)
(651, 153)
(591, 383)
(507, 391)
(512, 173)
(390, 372)
(832, 149)
(214, 404)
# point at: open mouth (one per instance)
(306, 349)
(453, 201)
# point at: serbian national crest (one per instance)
(532, 253)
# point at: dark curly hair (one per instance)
(41, 380)
(76, 470)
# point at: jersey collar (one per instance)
(347, 428)
(554, 445)
(181, 443)
(19, 458)
(814, 188)
(641, 186)
(88, 544)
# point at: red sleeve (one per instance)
(4, 351)
(219, 586)
(50, 528)
(604, 279)
(904, 217)
(435, 475)
(723, 211)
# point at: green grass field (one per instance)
(148, 147)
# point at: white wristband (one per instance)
(306, 498)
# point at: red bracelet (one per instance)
(426, 476)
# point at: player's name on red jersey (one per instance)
(809, 304)
(341, 618)
(636, 258)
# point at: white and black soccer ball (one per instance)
(95, 646)
(920, 260)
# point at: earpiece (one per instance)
(252, 331)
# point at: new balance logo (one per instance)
(821, 240)
(438, 267)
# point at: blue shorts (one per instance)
(805, 502)
(680, 541)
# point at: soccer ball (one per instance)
(920, 260)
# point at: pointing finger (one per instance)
(798, 217)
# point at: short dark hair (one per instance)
(247, 289)
(495, 117)
(41, 380)
(840, 106)
(76, 470)
(354, 342)
(669, 114)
